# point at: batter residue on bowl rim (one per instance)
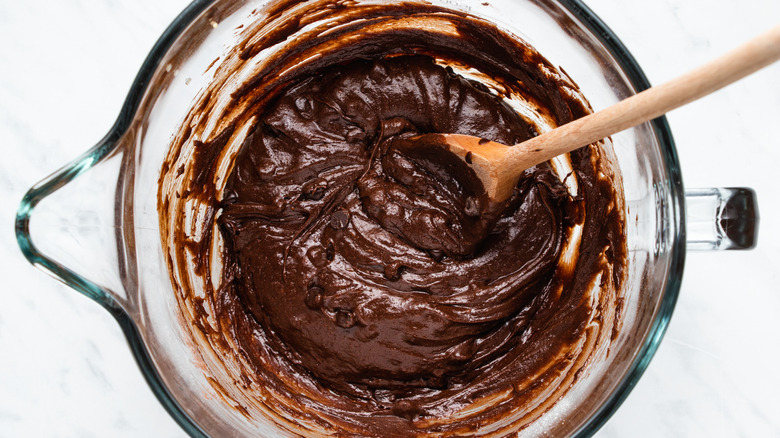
(339, 282)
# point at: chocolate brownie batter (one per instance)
(365, 284)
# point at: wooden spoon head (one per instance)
(487, 159)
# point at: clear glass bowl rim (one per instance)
(110, 142)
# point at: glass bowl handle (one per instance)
(721, 218)
(67, 225)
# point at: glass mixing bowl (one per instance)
(94, 224)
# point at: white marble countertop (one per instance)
(66, 369)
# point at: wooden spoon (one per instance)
(499, 166)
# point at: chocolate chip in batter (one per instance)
(339, 220)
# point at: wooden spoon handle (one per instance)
(649, 104)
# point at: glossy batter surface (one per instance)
(366, 281)
(380, 275)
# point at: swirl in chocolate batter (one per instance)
(362, 283)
